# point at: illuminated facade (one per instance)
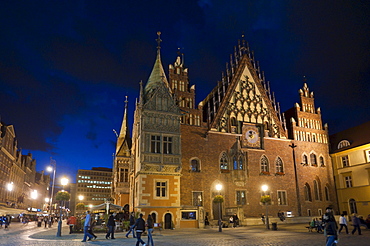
(350, 153)
(94, 185)
(236, 137)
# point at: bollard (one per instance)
(274, 226)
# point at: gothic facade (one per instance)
(236, 137)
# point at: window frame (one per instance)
(282, 197)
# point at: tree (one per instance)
(80, 206)
(266, 199)
(62, 196)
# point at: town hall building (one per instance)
(235, 139)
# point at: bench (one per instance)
(310, 228)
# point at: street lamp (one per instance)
(219, 188)
(63, 182)
(52, 168)
(264, 189)
(81, 197)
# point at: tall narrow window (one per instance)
(155, 144)
(123, 175)
(316, 190)
(352, 206)
(304, 160)
(161, 188)
(307, 192)
(264, 164)
(240, 163)
(241, 197)
(327, 194)
(197, 198)
(194, 165)
(345, 161)
(279, 165)
(322, 162)
(281, 197)
(223, 162)
(348, 181)
(313, 160)
(167, 145)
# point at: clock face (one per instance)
(251, 136)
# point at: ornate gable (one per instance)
(243, 97)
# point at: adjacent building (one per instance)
(236, 139)
(350, 153)
(93, 187)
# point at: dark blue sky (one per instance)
(66, 66)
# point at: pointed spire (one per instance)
(123, 140)
(157, 76)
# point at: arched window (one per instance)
(279, 165)
(322, 162)
(327, 194)
(343, 143)
(238, 163)
(307, 193)
(194, 165)
(241, 165)
(313, 160)
(304, 160)
(316, 190)
(352, 206)
(265, 164)
(223, 162)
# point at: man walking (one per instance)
(140, 228)
(87, 225)
(132, 222)
(343, 223)
(356, 224)
(111, 226)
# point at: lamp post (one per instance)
(293, 146)
(52, 168)
(64, 182)
(264, 189)
(219, 188)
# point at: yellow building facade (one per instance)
(350, 153)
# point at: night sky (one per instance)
(66, 66)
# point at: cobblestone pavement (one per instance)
(286, 235)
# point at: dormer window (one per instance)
(343, 143)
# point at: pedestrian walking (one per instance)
(330, 230)
(87, 225)
(91, 229)
(140, 228)
(111, 226)
(150, 225)
(356, 224)
(132, 222)
(71, 222)
(343, 223)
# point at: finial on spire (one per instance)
(159, 40)
(304, 78)
(126, 101)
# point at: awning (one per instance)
(107, 207)
(6, 210)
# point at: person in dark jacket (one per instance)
(331, 227)
(111, 226)
(356, 224)
(132, 222)
(150, 224)
(140, 228)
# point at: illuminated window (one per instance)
(281, 195)
(279, 165)
(348, 181)
(197, 198)
(345, 161)
(264, 164)
(161, 188)
(155, 144)
(167, 145)
(223, 162)
(241, 198)
(343, 143)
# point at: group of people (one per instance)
(330, 226)
(234, 220)
(137, 227)
(5, 220)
